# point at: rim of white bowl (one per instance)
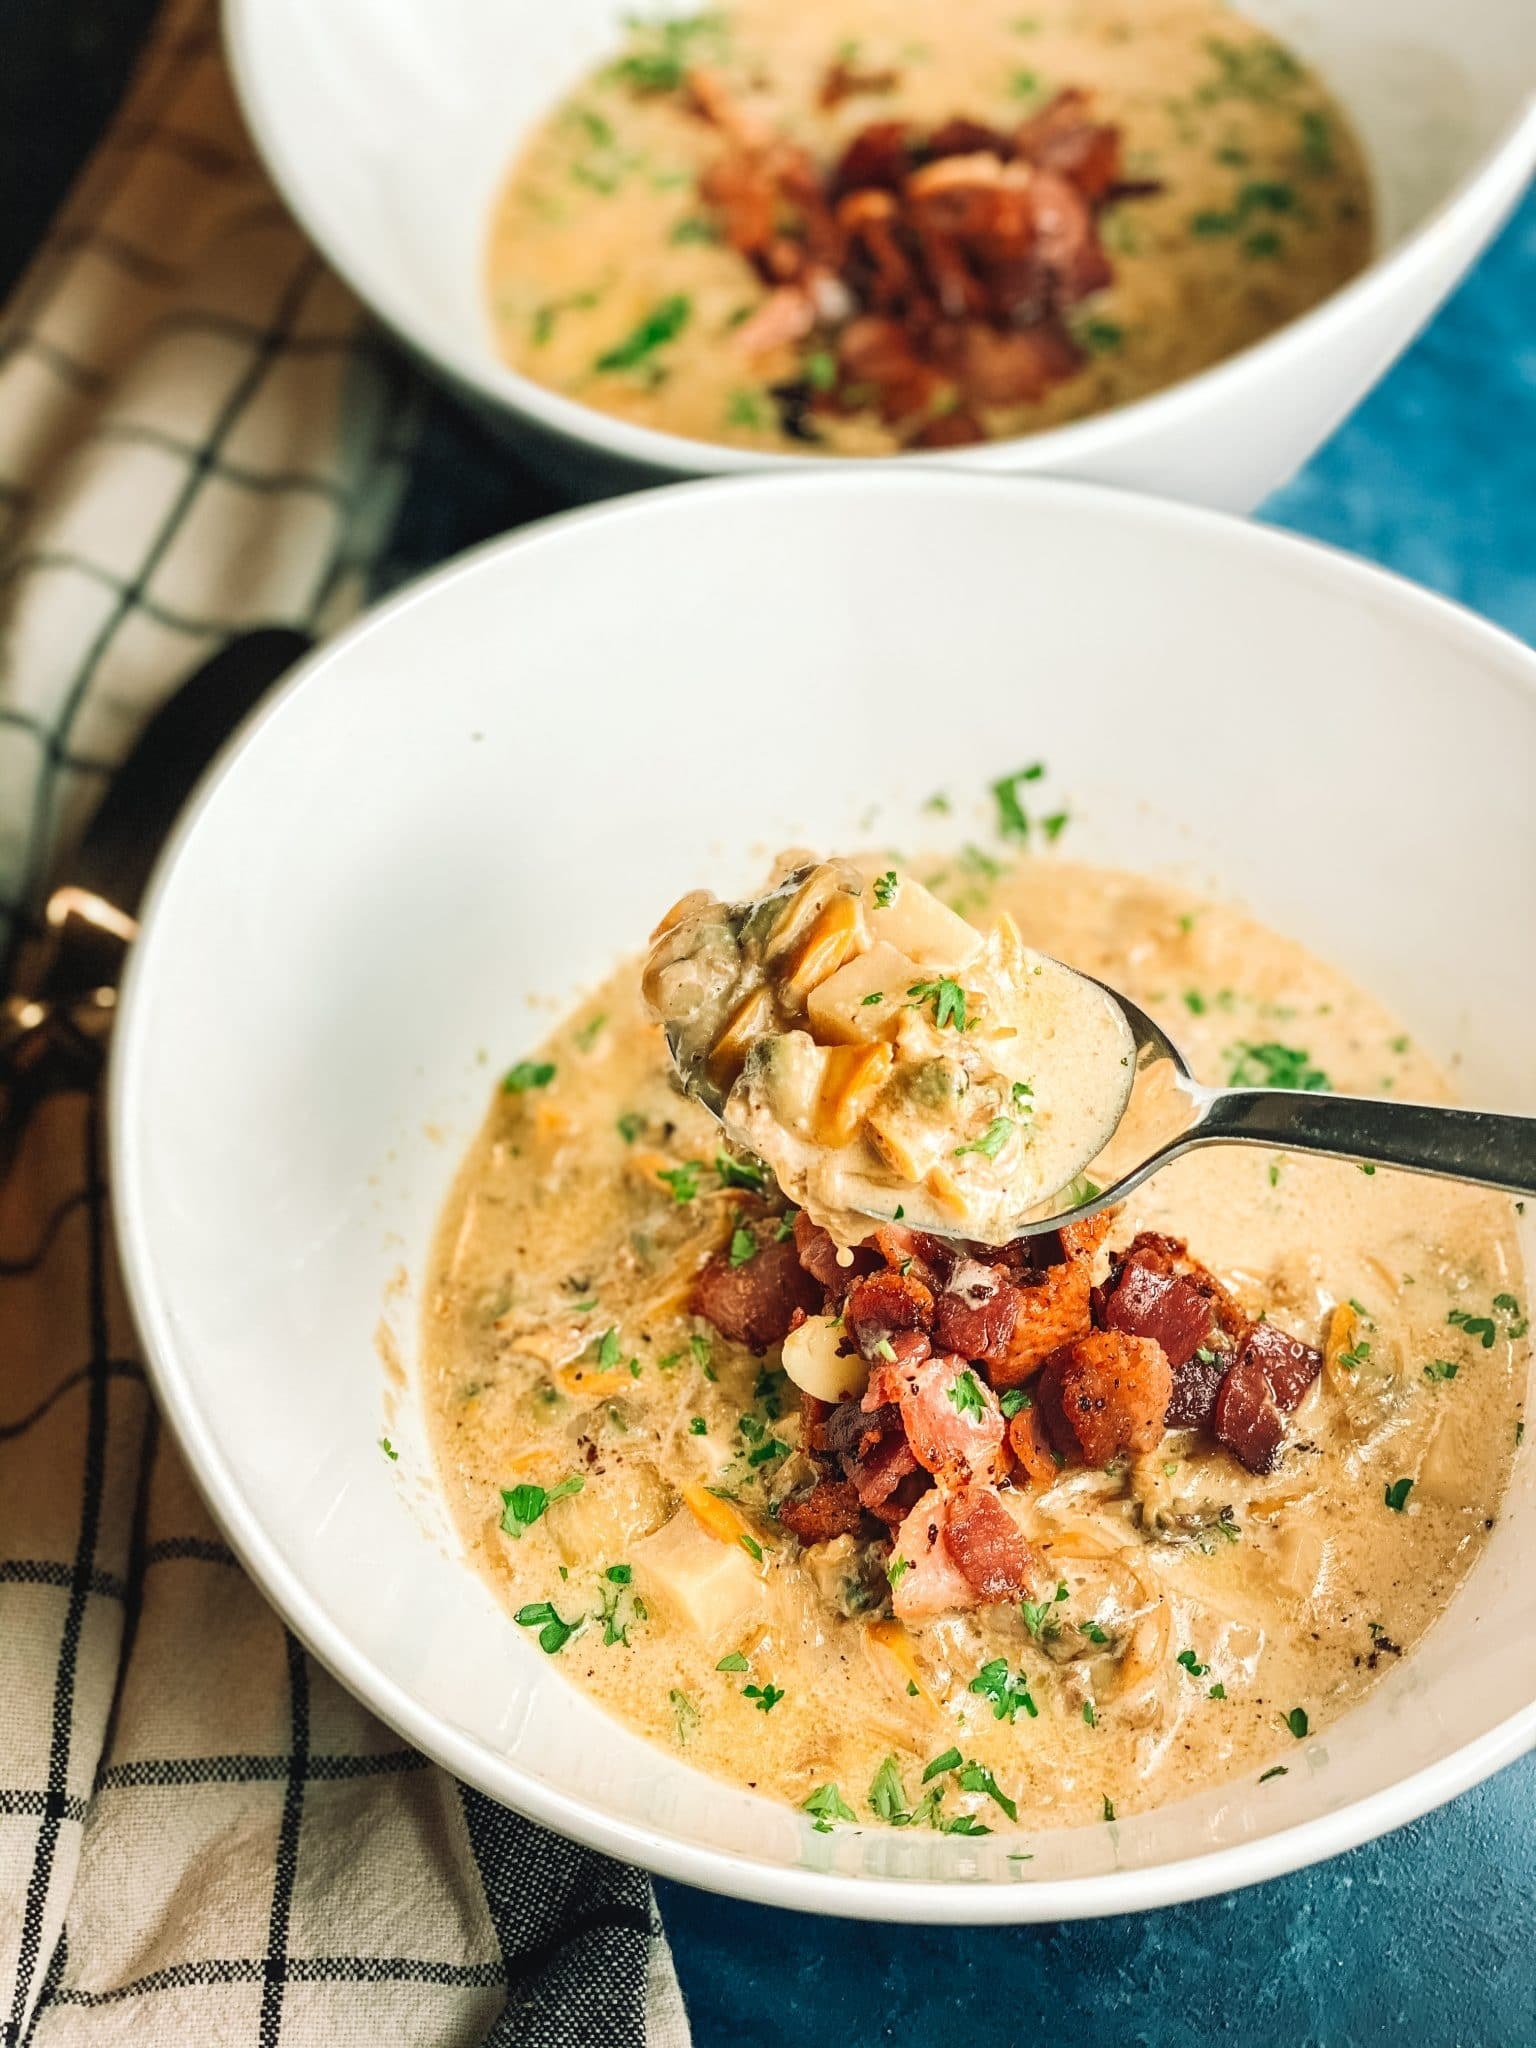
(324, 1635)
(1503, 168)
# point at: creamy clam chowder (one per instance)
(857, 229)
(964, 1535)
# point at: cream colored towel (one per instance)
(202, 1838)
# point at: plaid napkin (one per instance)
(202, 1837)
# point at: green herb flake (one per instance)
(744, 1245)
(694, 227)
(527, 1074)
(685, 1714)
(630, 1125)
(1296, 1720)
(682, 1180)
(554, 1633)
(1396, 1495)
(976, 1777)
(699, 1346)
(1441, 1369)
(1094, 1633)
(1481, 1327)
(1217, 1692)
(751, 1546)
(888, 1796)
(886, 888)
(947, 998)
(389, 1450)
(1089, 1715)
(522, 1506)
(949, 1761)
(1014, 1401)
(1274, 1771)
(1276, 1066)
(1009, 1696)
(589, 1033)
(991, 1141)
(740, 1173)
(966, 1396)
(662, 324)
(875, 996)
(826, 1805)
(1012, 818)
(1192, 1664)
(1109, 1807)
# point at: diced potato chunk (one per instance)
(916, 923)
(812, 1361)
(840, 1011)
(599, 1524)
(709, 1586)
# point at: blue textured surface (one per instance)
(1428, 1935)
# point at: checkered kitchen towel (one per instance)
(202, 1838)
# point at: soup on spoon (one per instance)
(884, 1058)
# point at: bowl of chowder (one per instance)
(1165, 244)
(752, 1500)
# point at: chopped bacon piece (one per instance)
(1012, 369)
(1062, 138)
(787, 314)
(950, 1415)
(879, 353)
(1272, 1373)
(873, 1450)
(1052, 1311)
(831, 1508)
(1196, 1384)
(959, 137)
(879, 155)
(1156, 1290)
(884, 1303)
(1067, 238)
(1082, 1240)
(754, 1301)
(950, 430)
(813, 1424)
(1114, 1394)
(985, 1542)
(882, 269)
(818, 1255)
(962, 1550)
(932, 1582)
(841, 82)
(975, 1315)
(914, 1251)
(1035, 1462)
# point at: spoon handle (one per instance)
(1481, 1145)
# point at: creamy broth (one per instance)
(1261, 205)
(1201, 1620)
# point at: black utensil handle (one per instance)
(1482, 1145)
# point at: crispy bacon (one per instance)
(1063, 138)
(1052, 1311)
(961, 1549)
(958, 429)
(879, 156)
(831, 1508)
(878, 354)
(883, 1304)
(975, 1314)
(874, 1453)
(950, 1415)
(1035, 1462)
(1113, 1392)
(1270, 1376)
(1011, 369)
(1196, 1384)
(754, 1302)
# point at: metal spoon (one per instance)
(1170, 1113)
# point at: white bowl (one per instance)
(389, 124)
(474, 802)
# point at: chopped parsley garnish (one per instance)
(1054, 824)
(745, 408)
(694, 227)
(1217, 1692)
(619, 1574)
(1274, 1771)
(698, 1426)
(1474, 1326)
(609, 1350)
(821, 369)
(825, 1805)
(1023, 1099)
(1088, 1714)
(1296, 1720)
(883, 1348)
(1441, 1369)
(587, 1036)
(1316, 142)
(631, 1124)
(1192, 1664)
(1009, 1696)
(740, 1173)
(888, 1796)
(1276, 1066)
(947, 998)
(662, 324)
(751, 1546)
(977, 1778)
(992, 1139)
(1396, 1495)
(897, 1569)
(886, 886)
(769, 1449)
(684, 1713)
(875, 996)
(1093, 1632)
(389, 1450)
(554, 1633)
(1357, 1354)
(949, 1761)
(1109, 1807)
(527, 1074)
(1012, 818)
(1039, 1620)
(699, 1346)
(743, 1246)
(1014, 1400)
(1194, 1002)
(1023, 85)
(734, 1662)
(664, 51)
(965, 1393)
(682, 1180)
(522, 1506)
